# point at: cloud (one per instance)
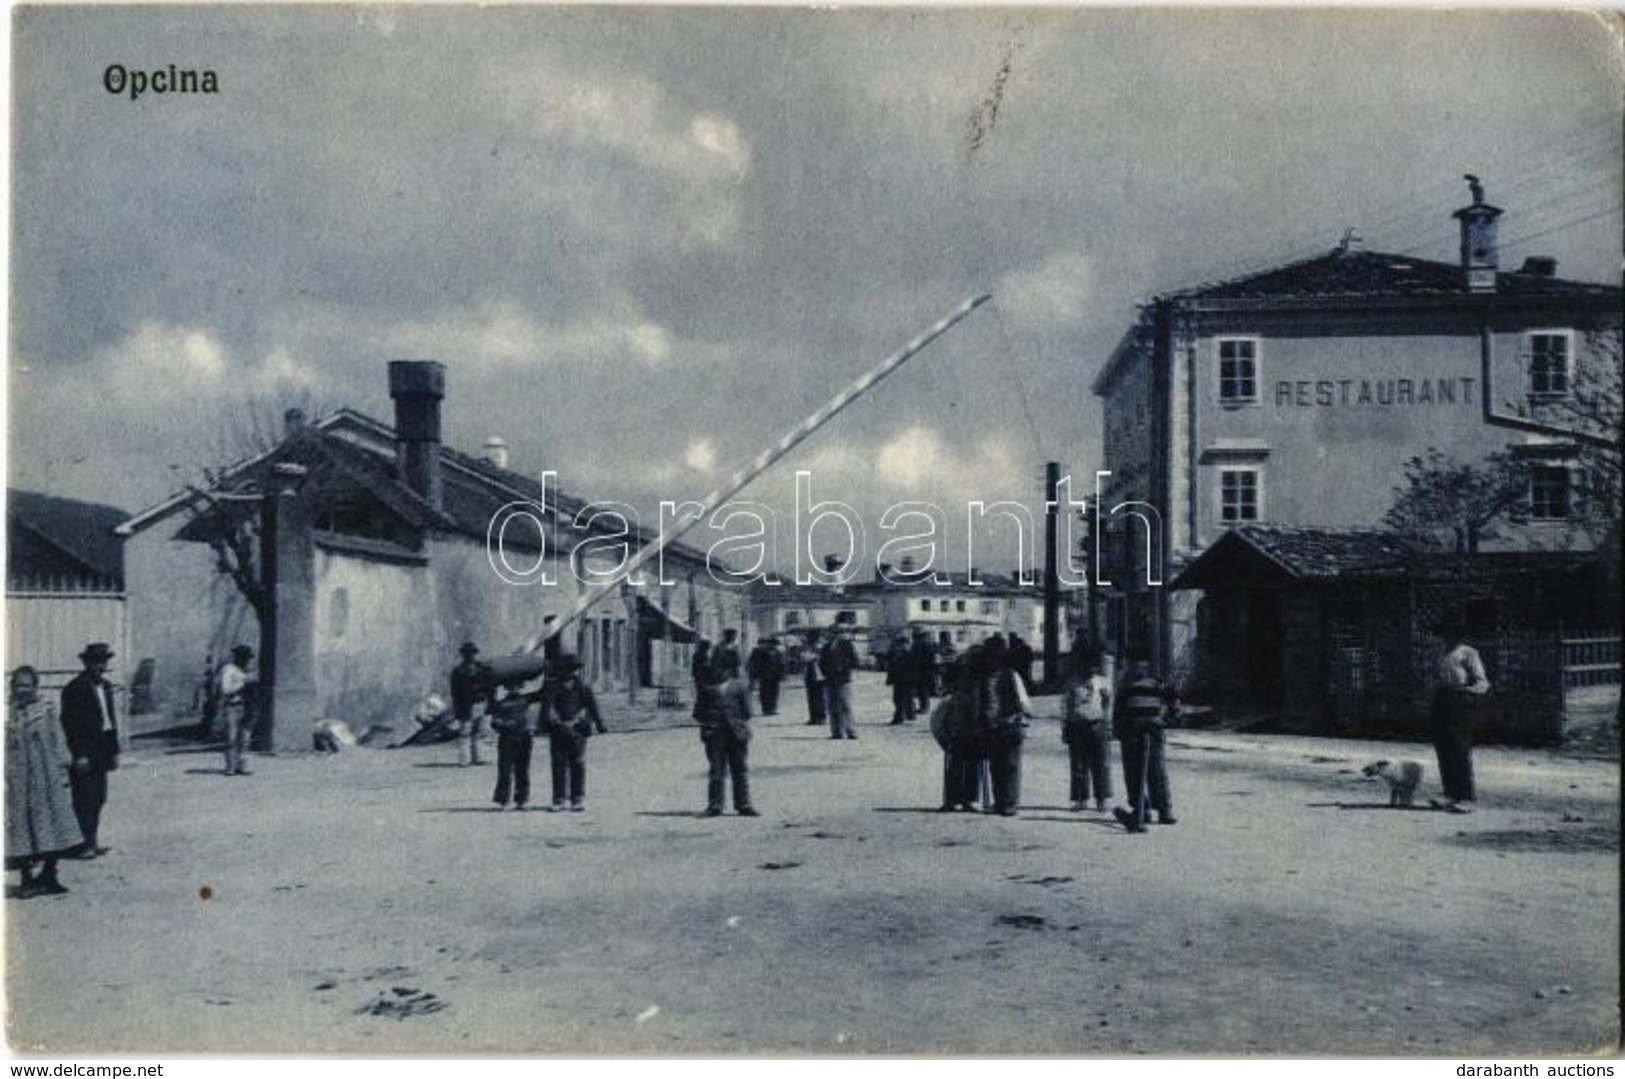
(503, 332)
(157, 355)
(632, 117)
(912, 457)
(1053, 294)
(701, 455)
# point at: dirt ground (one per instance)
(375, 901)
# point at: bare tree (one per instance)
(1464, 501)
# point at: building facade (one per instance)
(1295, 397)
(371, 544)
(65, 587)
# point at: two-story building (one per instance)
(1294, 398)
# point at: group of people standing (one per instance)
(56, 770)
(982, 723)
(563, 708)
(827, 670)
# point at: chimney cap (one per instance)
(409, 377)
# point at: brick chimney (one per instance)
(417, 388)
(1479, 257)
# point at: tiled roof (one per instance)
(1373, 274)
(472, 488)
(1297, 553)
(1325, 552)
(81, 531)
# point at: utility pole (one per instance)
(1052, 577)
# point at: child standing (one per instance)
(516, 735)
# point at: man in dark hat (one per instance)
(469, 692)
(766, 670)
(237, 688)
(570, 716)
(900, 677)
(91, 726)
(837, 661)
(813, 677)
(724, 719)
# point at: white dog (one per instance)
(1402, 777)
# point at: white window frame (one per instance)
(1567, 337)
(1257, 359)
(1258, 495)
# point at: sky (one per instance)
(645, 242)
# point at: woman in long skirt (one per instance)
(40, 825)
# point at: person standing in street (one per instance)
(1002, 710)
(1086, 730)
(724, 720)
(41, 826)
(812, 676)
(1021, 659)
(237, 706)
(837, 661)
(1460, 686)
(570, 717)
(900, 677)
(766, 670)
(469, 692)
(955, 727)
(1142, 712)
(725, 656)
(922, 660)
(90, 724)
(516, 738)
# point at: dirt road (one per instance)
(374, 901)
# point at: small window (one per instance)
(1238, 371)
(990, 606)
(1549, 364)
(925, 605)
(959, 606)
(1551, 493)
(1238, 495)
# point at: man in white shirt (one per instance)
(236, 705)
(1461, 683)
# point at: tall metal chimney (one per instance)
(417, 388)
(1479, 257)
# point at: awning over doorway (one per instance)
(655, 623)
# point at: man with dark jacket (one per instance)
(570, 716)
(922, 660)
(900, 677)
(813, 677)
(469, 694)
(1021, 659)
(837, 661)
(91, 726)
(725, 732)
(1144, 709)
(766, 670)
